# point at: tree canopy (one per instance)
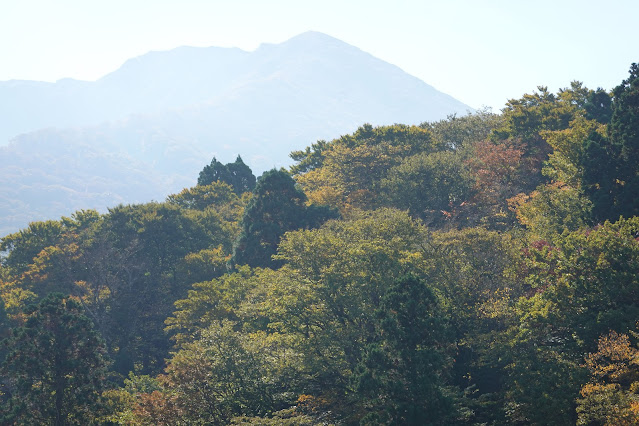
(55, 366)
(478, 270)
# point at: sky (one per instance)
(480, 52)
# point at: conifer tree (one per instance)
(238, 175)
(214, 172)
(55, 366)
(277, 206)
(611, 168)
(242, 178)
(399, 377)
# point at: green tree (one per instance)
(458, 132)
(210, 302)
(474, 271)
(601, 177)
(238, 175)
(399, 377)
(566, 162)
(430, 186)
(277, 206)
(551, 210)
(575, 291)
(209, 381)
(526, 120)
(216, 194)
(150, 276)
(214, 172)
(346, 172)
(612, 174)
(586, 282)
(56, 366)
(309, 159)
(598, 106)
(24, 245)
(242, 178)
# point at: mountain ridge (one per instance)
(168, 113)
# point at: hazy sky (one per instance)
(482, 52)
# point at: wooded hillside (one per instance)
(478, 270)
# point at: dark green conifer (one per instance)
(238, 175)
(55, 366)
(242, 178)
(611, 165)
(399, 377)
(277, 206)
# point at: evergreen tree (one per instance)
(598, 106)
(214, 172)
(55, 365)
(238, 175)
(611, 169)
(624, 133)
(277, 206)
(399, 377)
(242, 178)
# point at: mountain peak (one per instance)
(309, 40)
(164, 114)
(314, 36)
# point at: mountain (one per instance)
(146, 130)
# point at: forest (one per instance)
(478, 270)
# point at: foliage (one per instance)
(610, 398)
(589, 281)
(318, 314)
(24, 245)
(477, 262)
(551, 210)
(431, 186)
(567, 161)
(211, 301)
(55, 366)
(528, 120)
(237, 175)
(217, 195)
(398, 376)
(455, 132)
(309, 159)
(476, 272)
(277, 206)
(612, 174)
(221, 375)
(576, 291)
(346, 171)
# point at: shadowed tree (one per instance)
(611, 173)
(277, 206)
(238, 175)
(399, 377)
(55, 365)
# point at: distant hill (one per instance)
(145, 130)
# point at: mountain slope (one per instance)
(164, 115)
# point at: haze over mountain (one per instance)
(147, 129)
